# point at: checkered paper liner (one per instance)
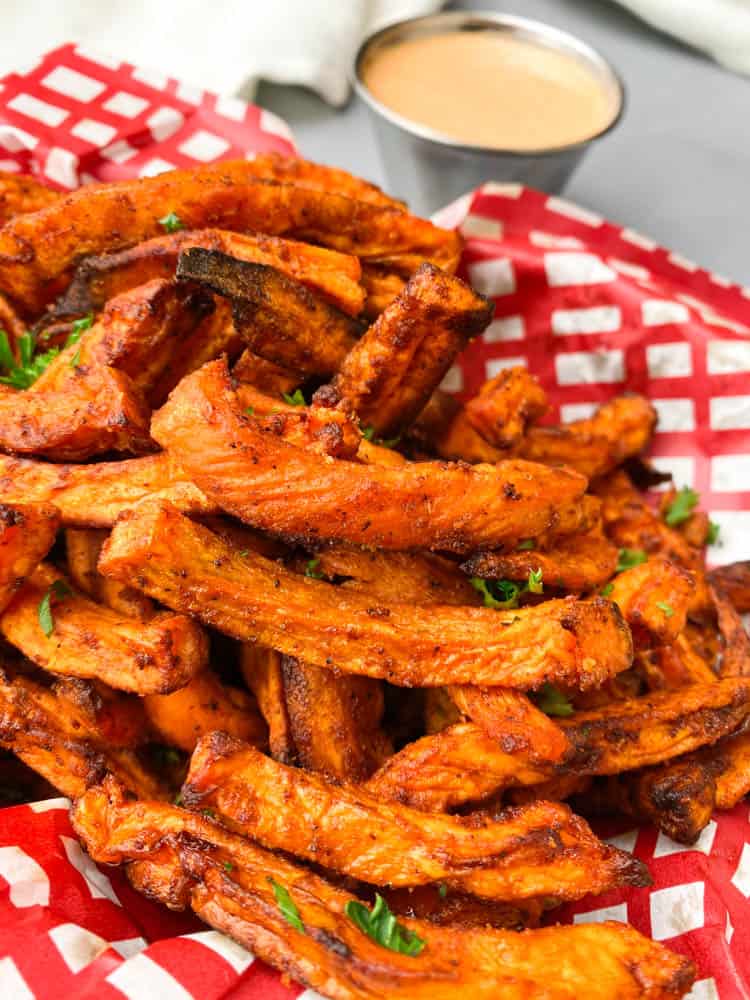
(593, 310)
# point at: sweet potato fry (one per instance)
(254, 599)
(279, 318)
(677, 664)
(654, 598)
(381, 288)
(20, 194)
(186, 860)
(505, 405)
(265, 376)
(93, 642)
(53, 736)
(95, 411)
(458, 909)
(203, 705)
(38, 250)
(118, 718)
(258, 478)
(261, 671)
(83, 546)
(334, 721)
(577, 563)
(27, 533)
(443, 429)
(334, 276)
(734, 581)
(509, 718)
(735, 656)
(732, 774)
(388, 376)
(394, 845)
(95, 495)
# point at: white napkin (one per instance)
(222, 45)
(719, 27)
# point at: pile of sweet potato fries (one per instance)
(315, 649)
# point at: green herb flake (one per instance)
(250, 411)
(243, 553)
(666, 608)
(76, 359)
(7, 360)
(286, 905)
(311, 569)
(171, 222)
(552, 701)
(535, 584)
(57, 591)
(526, 546)
(178, 799)
(388, 442)
(607, 589)
(381, 925)
(296, 398)
(228, 867)
(79, 326)
(23, 374)
(442, 890)
(368, 433)
(628, 558)
(712, 536)
(208, 813)
(497, 594)
(681, 507)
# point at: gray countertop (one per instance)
(676, 169)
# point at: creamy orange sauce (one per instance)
(490, 89)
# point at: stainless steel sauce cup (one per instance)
(430, 169)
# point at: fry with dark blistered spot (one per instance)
(734, 581)
(27, 533)
(187, 567)
(37, 251)
(274, 486)
(95, 495)
(735, 656)
(333, 275)
(203, 705)
(676, 665)
(577, 563)
(334, 721)
(388, 376)
(83, 546)
(654, 598)
(540, 850)
(279, 318)
(261, 671)
(458, 909)
(54, 737)
(505, 405)
(118, 718)
(94, 642)
(186, 860)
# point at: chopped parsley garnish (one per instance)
(23, 373)
(250, 410)
(296, 398)
(666, 608)
(80, 326)
(311, 569)
(628, 558)
(171, 222)
(243, 553)
(499, 594)
(76, 359)
(526, 546)
(178, 799)
(228, 867)
(552, 701)
(208, 813)
(442, 890)
(286, 905)
(535, 584)
(368, 433)
(607, 589)
(712, 535)
(381, 925)
(681, 507)
(57, 591)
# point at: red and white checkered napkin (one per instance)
(593, 310)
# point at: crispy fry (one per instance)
(505, 405)
(254, 599)
(20, 194)
(381, 287)
(203, 705)
(37, 251)
(443, 429)
(256, 476)
(576, 563)
(732, 769)
(654, 598)
(83, 546)
(394, 845)
(734, 581)
(95, 495)
(118, 718)
(261, 671)
(95, 411)
(458, 909)
(27, 533)
(675, 665)
(54, 737)
(388, 376)
(280, 319)
(186, 860)
(509, 718)
(735, 657)
(265, 376)
(94, 642)
(334, 721)
(333, 275)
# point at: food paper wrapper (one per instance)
(592, 309)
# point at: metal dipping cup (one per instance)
(429, 169)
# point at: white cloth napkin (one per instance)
(719, 27)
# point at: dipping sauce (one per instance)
(491, 89)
